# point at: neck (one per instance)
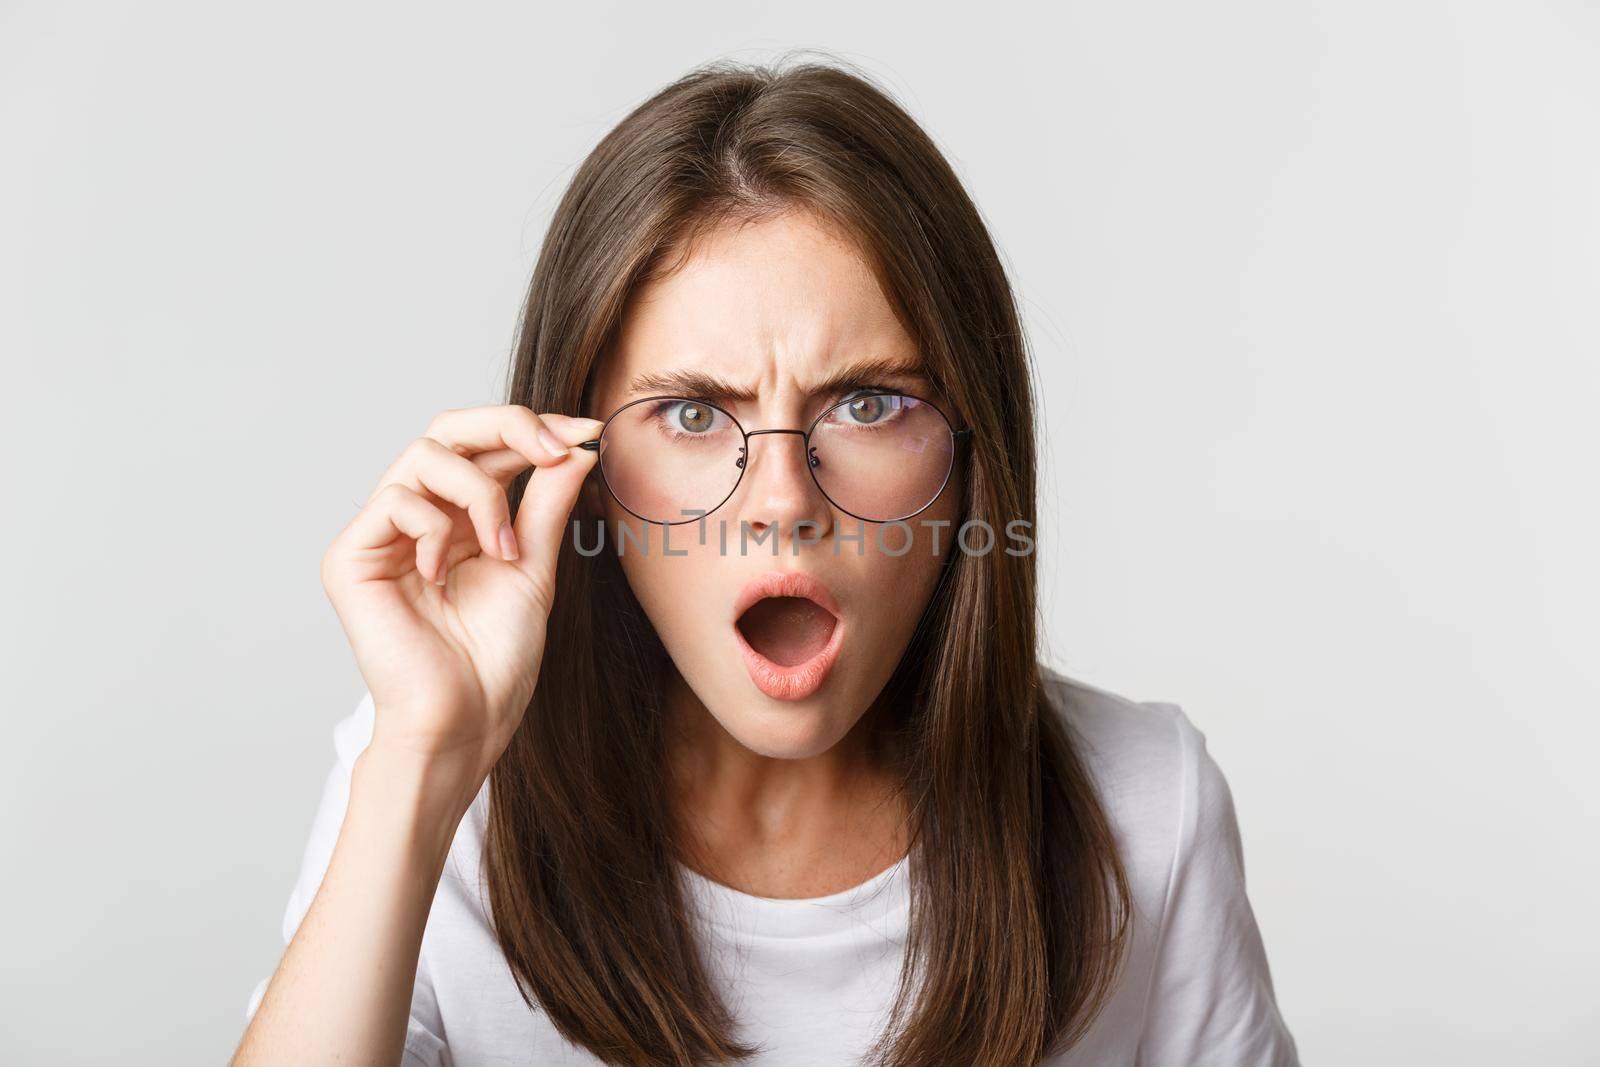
(783, 825)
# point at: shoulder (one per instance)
(1165, 795)
(1129, 745)
(1198, 988)
(1114, 733)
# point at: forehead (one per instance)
(772, 305)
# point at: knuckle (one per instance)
(391, 494)
(418, 448)
(327, 567)
(525, 419)
(439, 421)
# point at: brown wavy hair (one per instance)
(1019, 899)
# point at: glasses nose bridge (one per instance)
(805, 440)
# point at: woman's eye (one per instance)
(866, 410)
(693, 418)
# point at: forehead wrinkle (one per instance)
(788, 325)
(815, 349)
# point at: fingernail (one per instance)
(508, 542)
(549, 441)
(444, 573)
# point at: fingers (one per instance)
(541, 439)
(468, 455)
(464, 460)
(428, 465)
(502, 464)
(398, 510)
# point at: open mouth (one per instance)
(788, 630)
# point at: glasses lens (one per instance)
(882, 457)
(664, 456)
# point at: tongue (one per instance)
(787, 629)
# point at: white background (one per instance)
(1312, 292)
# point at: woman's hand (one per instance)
(447, 631)
(451, 667)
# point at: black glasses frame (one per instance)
(812, 461)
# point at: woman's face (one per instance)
(773, 311)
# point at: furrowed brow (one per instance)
(869, 372)
(701, 386)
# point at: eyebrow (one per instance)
(700, 386)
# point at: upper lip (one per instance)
(785, 583)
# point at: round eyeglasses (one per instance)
(877, 456)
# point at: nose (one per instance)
(777, 488)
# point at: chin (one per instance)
(786, 729)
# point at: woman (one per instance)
(752, 756)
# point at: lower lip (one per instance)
(798, 681)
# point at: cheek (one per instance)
(892, 587)
(679, 594)
(892, 590)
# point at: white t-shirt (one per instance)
(811, 980)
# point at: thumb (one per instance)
(548, 500)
